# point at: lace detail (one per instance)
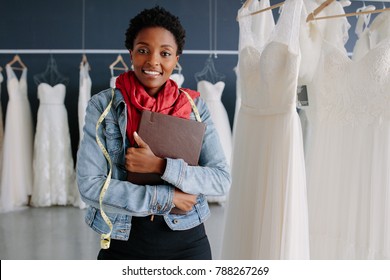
(354, 92)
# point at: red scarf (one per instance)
(168, 101)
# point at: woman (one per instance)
(143, 227)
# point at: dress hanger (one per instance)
(262, 10)
(312, 15)
(17, 59)
(51, 75)
(119, 59)
(209, 73)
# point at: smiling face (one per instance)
(154, 56)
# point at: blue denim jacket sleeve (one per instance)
(212, 176)
(122, 197)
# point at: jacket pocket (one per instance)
(114, 141)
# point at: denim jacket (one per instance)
(124, 199)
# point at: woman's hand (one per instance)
(184, 201)
(142, 159)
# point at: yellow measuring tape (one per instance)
(194, 108)
(105, 237)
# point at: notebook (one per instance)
(168, 136)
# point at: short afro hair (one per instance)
(156, 17)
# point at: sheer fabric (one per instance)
(17, 175)
(267, 211)
(54, 173)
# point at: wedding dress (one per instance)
(1, 124)
(211, 94)
(17, 175)
(348, 155)
(267, 210)
(84, 96)
(54, 173)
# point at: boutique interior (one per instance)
(298, 91)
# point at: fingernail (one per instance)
(135, 133)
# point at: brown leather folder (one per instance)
(168, 137)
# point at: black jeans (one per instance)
(154, 240)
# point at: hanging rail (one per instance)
(102, 51)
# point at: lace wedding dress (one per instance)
(267, 210)
(348, 155)
(54, 173)
(17, 175)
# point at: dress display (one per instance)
(54, 173)
(348, 151)
(211, 94)
(17, 175)
(267, 214)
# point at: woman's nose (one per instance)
(154, 59)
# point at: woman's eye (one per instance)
(142, 51)
(166, 54)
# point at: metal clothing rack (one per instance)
(104, 51)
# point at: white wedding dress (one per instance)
(1, 124)
(84, 96)
(348, 155)
(211, 94)
(54, 173)
(17, 175)
(267, 210)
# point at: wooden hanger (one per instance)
(119, 59)
(312, 15)
(17, 59)
(262, 10)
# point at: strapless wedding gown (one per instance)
(54, 173)
(211, 94)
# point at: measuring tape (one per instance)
(105, 237)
